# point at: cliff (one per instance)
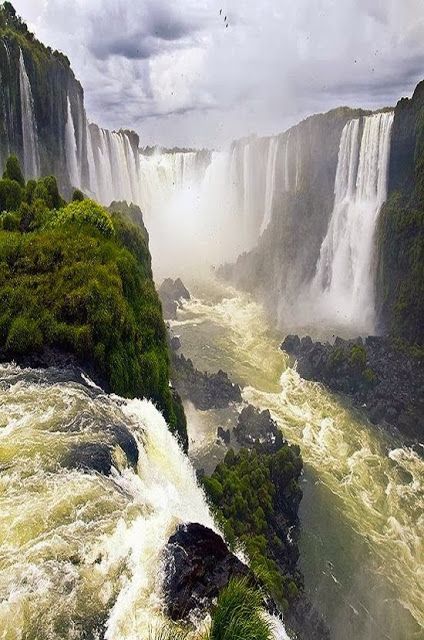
(400, 231)
(288, 249)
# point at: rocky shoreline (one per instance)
(382, 379)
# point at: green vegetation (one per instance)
(248, 491)
(350, 361)
(400, 234)
(78, 278)
(237, 615)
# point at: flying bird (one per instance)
(220, 12)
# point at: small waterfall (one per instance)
(29, 125)
(287, 163)
(71, 149)
(343, 283)
(270, 181)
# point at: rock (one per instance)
(205, 390)
(256, 429)
(171, 292)
(90, 456)
(175, 343)
(122, 437)
(198, 565)
(385, 381)
(224, 435)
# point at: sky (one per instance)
(177, 74)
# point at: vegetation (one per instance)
(252, 493)
(78, 278)
(237, 615)
(401, 230)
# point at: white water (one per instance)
(29, 124)
(71, 149)
(82, 552)
(363, 512)
(343, 286)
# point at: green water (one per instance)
(362, 511)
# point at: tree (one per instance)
(13, 171)
(10, 195)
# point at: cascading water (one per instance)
(343, 283)
(29, 124)
(93, 541)
(71, 149)
(270, 182)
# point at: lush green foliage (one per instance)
(81, 213)
(67, 280)
(238, 614)
(13, 171)
(248, 490)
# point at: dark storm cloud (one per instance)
(138, 32)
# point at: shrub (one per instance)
(239, 614)
(358, 357)
(10, 195)
(24, 336)
(77, 196)
(10, 221)
(86, 212)
(13, 171)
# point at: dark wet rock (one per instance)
(256, 429)
(306, 621)
(205, 390)
(382, 379)
(122, 437)
(198, 565)
(90, 456)
(224, 435)
(171, 292)
(175, 343)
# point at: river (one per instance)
(362, 510)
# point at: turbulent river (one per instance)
(362, 511)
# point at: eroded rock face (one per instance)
(383, 380)
(198, 565)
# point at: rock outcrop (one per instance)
(382, 379)
(171, 293)
(256, 429)
(198, 565)
(204, 390)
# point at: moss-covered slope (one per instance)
(78, 279)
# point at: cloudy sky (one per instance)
(173, 70)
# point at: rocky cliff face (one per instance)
(289, 247)
(37, 84)
(400, 232)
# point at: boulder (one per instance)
(90, 456)
(198, 565)
(224, 435)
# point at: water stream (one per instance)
(362, 511)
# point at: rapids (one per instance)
(362, 511)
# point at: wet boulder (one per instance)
(171, 292)
(198, 565)
(90, 456)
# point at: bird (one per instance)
(220, 12)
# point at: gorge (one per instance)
(318, 231)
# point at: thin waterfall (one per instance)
(71, 148)
(270, 182)
(343, 283)
(29, 125)
(287, 163)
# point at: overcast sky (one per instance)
(173, 71)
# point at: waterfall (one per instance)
(343, 283)
(270, 182)
(71, 148)
(286, 163)
(29, 125)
